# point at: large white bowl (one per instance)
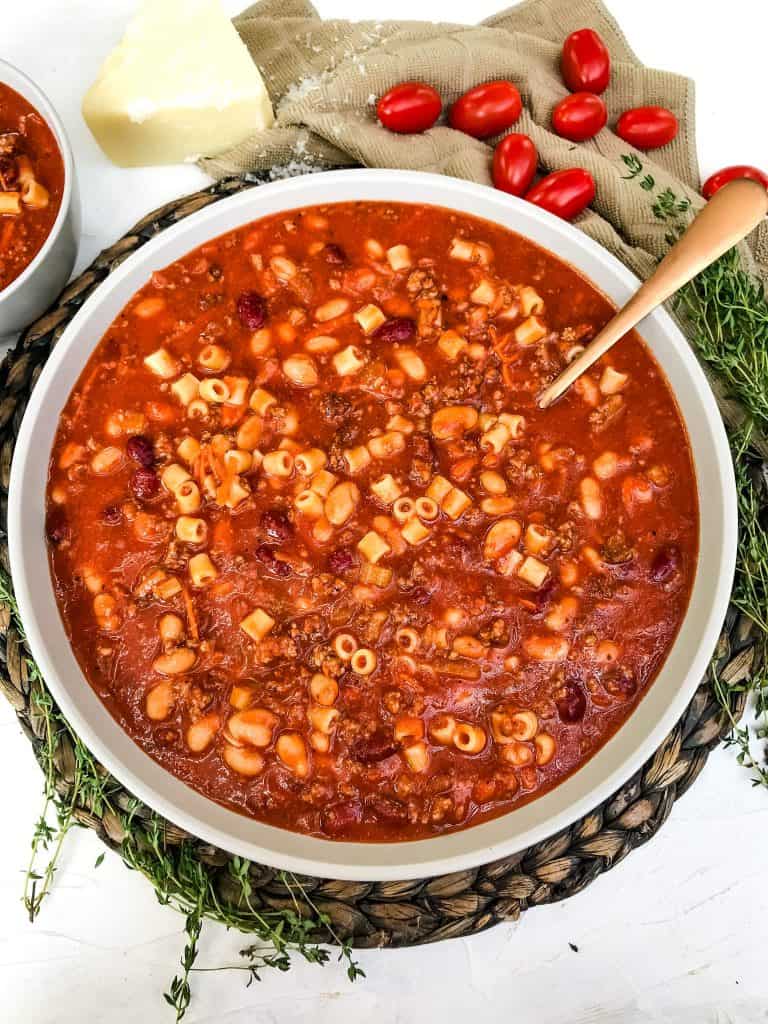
(610, 767)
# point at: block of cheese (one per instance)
(180, 84)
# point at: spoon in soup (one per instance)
(729, 216)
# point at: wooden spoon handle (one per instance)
(728, 217)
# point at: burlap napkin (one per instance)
(325, 76)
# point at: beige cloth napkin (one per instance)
(325, 76)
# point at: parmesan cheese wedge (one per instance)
(181, 84)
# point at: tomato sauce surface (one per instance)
(31, 183)
(321, 555)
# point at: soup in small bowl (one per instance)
(37, 236)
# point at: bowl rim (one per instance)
(32, 92)
(469, 847)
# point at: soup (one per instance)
(31, 183)
(321, 555)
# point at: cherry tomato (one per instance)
(579, 116)
(486, 110)
(409, 107)
(647, 127)
(514, 164)
(716, 181)
(585, 63)
(564, 193)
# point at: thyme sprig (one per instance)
(724, 312)
(180, 879)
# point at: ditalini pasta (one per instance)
(321, 555)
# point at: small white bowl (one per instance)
(30, 294)
(608, 769)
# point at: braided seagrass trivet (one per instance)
(376, 913)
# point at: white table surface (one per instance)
(676, 933)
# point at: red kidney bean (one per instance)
(265, 554)
(396, 331)
(252, 310)
(58, 529)
(377, 747)
(340, 560)
(385, 808)
(112, 515)
(334, 254)
(141, 450)
(277, 526)
(420, 595)
(145, 483)
(665, 564)
(337, 818)
(572, 704)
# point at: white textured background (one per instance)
(678, 932)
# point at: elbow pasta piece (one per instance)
(533, 571)
(408, 727)
(386, 488)
(310, 461)
(238, 461)
(407, 639)
(107, 461)
(471, 252)
(469, 739)
(278, 463)
(509, 724)
(611, 381)
(345, 645)
(188, 497)
(188, 449)
(373, 547)
(417, 756)
(357, 458)
(323, 689)
(538, 539)
(190, 530)
(530, 301)
(497, 438)
(213, 389)
(517, 754)
(257, 625)
(173, 476)
(415, 532)
(442, 729)
(202, 571)
(162, 363)
(484, 293)
(451, 345)
(387, 445)
(455, 503)
(262, 401)
(530, 331)
(363, 661)
(309, 504)
(238, 390)
(370, 318)
(215, 358)
(403, 509)
(349, 361)
(399, 257)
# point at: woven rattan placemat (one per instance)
(365, 913)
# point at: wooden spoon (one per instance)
(728, 217)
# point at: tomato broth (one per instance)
(321, 555)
